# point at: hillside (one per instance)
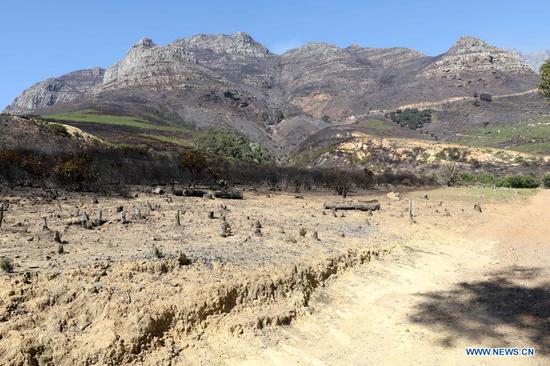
(278, 101)
(42, 136)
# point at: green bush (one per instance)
(411, 118)
(547, 181)
(232, 145)
(486, 97)
(483, 179)
(544, 85)
(194, 163)
(518, 181)
(486, 179)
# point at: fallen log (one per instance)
(360, 206)
(177, 192)
(232, 195)
(193, 193)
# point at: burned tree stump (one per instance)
(225, 229)
(183, 260)
(178, 222)
(45, 224)
(1, 214)
(99, 220)
(123, 219)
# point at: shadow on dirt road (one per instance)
(477, 310)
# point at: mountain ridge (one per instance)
(234, 82)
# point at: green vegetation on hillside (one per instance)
(518, 181)
(529, 137)
(305, 157)
(411, 118)
(90, 116)
(489, 180)
(374, 123)
(170, 139)
(231, 145)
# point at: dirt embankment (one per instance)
(107, 299)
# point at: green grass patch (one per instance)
(89, 116)
(530, 137)
(477, 194)
(171, 139)
(374, 123)
(306, 157)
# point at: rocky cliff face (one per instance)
(65, 89)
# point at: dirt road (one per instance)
(486, 285)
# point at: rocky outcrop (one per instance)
(64, 89)
(472, 56)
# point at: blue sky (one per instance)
(44, 38)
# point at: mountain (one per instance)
(232, 81)
(536, 59)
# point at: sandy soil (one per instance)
(374, 289)
(483, 285)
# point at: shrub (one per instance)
(486, 97)
(326, 118)
(484, 179)
(232, 145)
(449, 174)
(411, 118)
(518, 181)
(544, 85)
(547, 181)
(20, 167)
(195, 163)
(6, 264)
(75, 173)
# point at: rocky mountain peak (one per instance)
(144, 43)
(238, 44)
(467, 44)
(313, 49)
(473, 56)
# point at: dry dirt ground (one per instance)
(370, 290)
